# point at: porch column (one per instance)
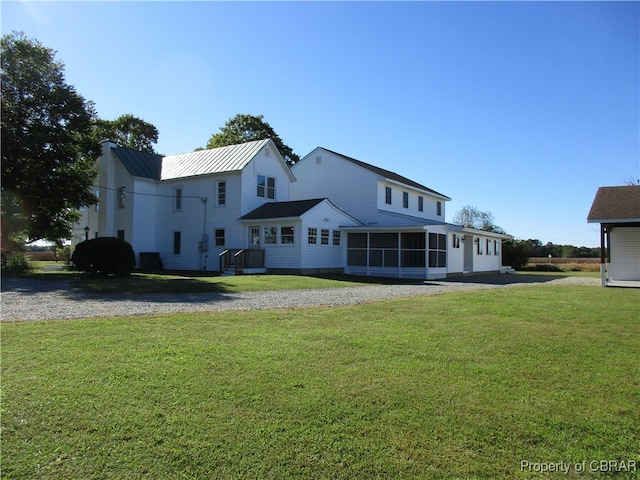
(603, 267)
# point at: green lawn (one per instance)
(464, 385)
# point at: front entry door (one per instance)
(254, 237)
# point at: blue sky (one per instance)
(520, 109)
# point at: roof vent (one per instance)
(318, 160)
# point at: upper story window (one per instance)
(421, 204)
(387, 195)
(221, 193)
(439, 209)
(177, 198)
(121, 197)
(405, 199)
(266, 187)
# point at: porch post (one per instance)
(603, 268)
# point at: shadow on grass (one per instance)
(74, 283)
(507, 278)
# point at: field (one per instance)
(461, 385)
(566, 264)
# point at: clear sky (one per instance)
(522, 109)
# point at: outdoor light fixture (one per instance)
(86, 232)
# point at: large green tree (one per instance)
(128, 131)
(246, 128)
(48, 145)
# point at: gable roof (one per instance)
(290, 209)
(387, 174)
(216, 160)
(616, 205)
(139, 164)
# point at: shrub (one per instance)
(105, 255)
(16, 262)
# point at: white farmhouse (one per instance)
(241, 207)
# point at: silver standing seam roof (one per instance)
(217, 160)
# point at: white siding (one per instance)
(430, 203)
(625, 254)
(348, 186)
(268, 165)
(143, 207)
(192, 223)
(485, 262)
(318, 256)
(455, 256)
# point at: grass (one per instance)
(464, 385)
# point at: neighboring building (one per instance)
(617, 210)
(214, 209)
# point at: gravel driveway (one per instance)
(29, 299)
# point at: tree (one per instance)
(515, 253)
(471, 217)
(48, 150)
(246, 128)
(128, 131)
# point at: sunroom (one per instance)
(415, 251)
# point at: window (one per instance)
(412, 253)
(219, 234)
(121, 197)
(357, 249)
(97, 206)
(324, 236)
(336, 238)
(312, 236)
(176, 243)
(456, 240)
(387, 195)
(177, 198)
(405, 199)
(496, 247)
(479, 246)
(383, 250)
(266, 187)
(221, 194)
(421, 204)
(488, 247)
(439, 209)
(269, 235)
(286, 235)
(437, 250)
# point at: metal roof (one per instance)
(387, 174)
(616, 205)
(217, 160)
(139, 164)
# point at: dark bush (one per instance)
(106, 255)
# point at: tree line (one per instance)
(51, 138)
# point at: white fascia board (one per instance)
(615, 220)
